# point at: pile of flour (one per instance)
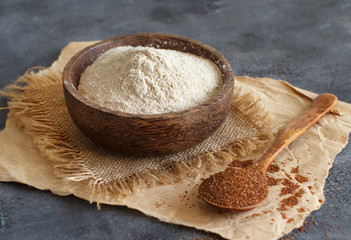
(146, 80)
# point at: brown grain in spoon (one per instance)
(247, 188)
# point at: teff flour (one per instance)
(145, 80)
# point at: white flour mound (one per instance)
(146, 80)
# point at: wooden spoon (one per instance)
(247, 188)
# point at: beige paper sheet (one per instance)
(178, 203)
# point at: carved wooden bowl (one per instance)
(154, 134)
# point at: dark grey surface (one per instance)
(307, 43)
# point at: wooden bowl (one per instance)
(154, 134)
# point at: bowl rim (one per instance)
(226, 70)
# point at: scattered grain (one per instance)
(295, 170)
(300, 178)
(273, 168)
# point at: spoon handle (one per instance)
(320, 106)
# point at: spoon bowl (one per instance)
(245, 188)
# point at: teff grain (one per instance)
(235, 188)
(300, 178)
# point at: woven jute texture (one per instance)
(38, 105)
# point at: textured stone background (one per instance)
(307, 43)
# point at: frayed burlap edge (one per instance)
(32, 115)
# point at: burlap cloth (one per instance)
(41, 147)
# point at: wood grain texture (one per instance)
(320, 106)
(147, 135)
